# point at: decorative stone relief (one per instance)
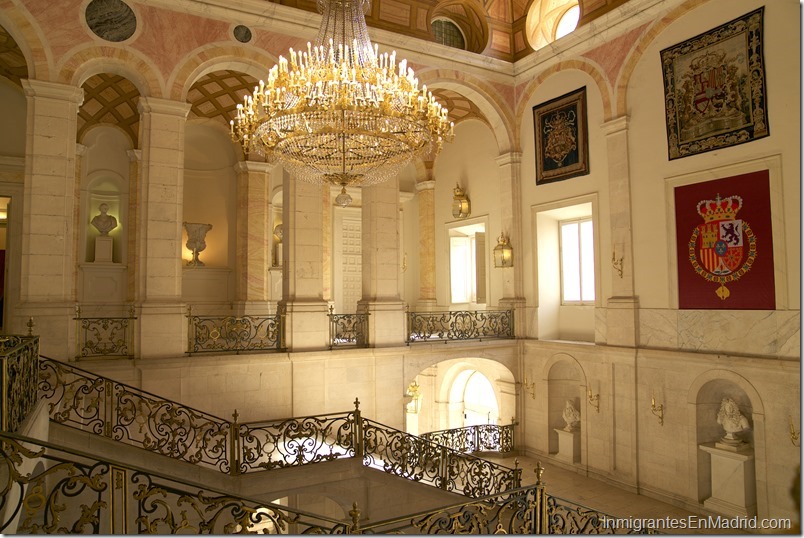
(242, 33)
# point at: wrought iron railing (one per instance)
(19, 360)
(475, 438)
(420, 460)
(234, 334)
(348, 330)
(569, 517)
(459, 325)
(83, 400)
(104, 336)
(45, 489)
(517, 511)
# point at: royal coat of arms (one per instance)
(723, 248)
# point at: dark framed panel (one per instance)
(562, 149)
(714, 88)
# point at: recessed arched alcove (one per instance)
(565, 381)
(727, 477)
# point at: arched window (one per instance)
(550, 20)
(447, 33)
(568, 21)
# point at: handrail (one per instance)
(69, 491)
(19, 364)
(475, 438)
(97, 404)
(459, 325)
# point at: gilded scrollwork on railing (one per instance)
(19, 364)
(513, 512)
(296, 441)
(459, 325)
(104, 336)
(82, 400)
(60, 491)
(348, 329)
(234, 334)
(475, 438)
(420, 460)
(568, 517)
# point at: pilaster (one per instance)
(381, 272)
(622, 307)
(132, 247)
(48, 257)
(425, 195)
(254, 238)
(159, 230)
(511, 226)
(306, 321)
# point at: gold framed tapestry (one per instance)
(561, 138)
(714, 88)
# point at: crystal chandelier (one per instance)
(340, 112)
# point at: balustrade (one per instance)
(19, 360)
(459, 325)
(475, 438)
(348, 330)
(234, 334)
(104, 336)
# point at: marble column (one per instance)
(511, 226)
(80, 153)
(425, 196)
(254, 238)
(306, 321)
(159, 231)
(381, 271)
(48, 257)
(622, 308)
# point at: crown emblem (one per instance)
(719, 209)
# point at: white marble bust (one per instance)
(571, 416)
(732, 421)
(103, 222)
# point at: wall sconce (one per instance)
(657, 410)
(594, 400)
(415, 396)
(530, 388)
(503, 253)
(617, 264)
(461, 206)
(794, 434)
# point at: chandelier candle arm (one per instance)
(341, 112)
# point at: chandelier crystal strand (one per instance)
(341, 112)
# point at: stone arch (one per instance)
(217, 58)
(94, 59)
(29, 40)
(703, 399)
(587, 67)
(641, 46)
(491, 102)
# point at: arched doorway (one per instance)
(474, 391)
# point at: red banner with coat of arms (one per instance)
(724, 244)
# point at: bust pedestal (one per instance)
(569, 445)
(103, 249)
(733, 483)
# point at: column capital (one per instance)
(615, 125)
(156, 105)
(509, 158)
(80, 149)
(134, 155)
(253, 166)
(53, 90)
(425, 186)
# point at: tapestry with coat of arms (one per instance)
(562, 148)
(724, 244)
(714, 86)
